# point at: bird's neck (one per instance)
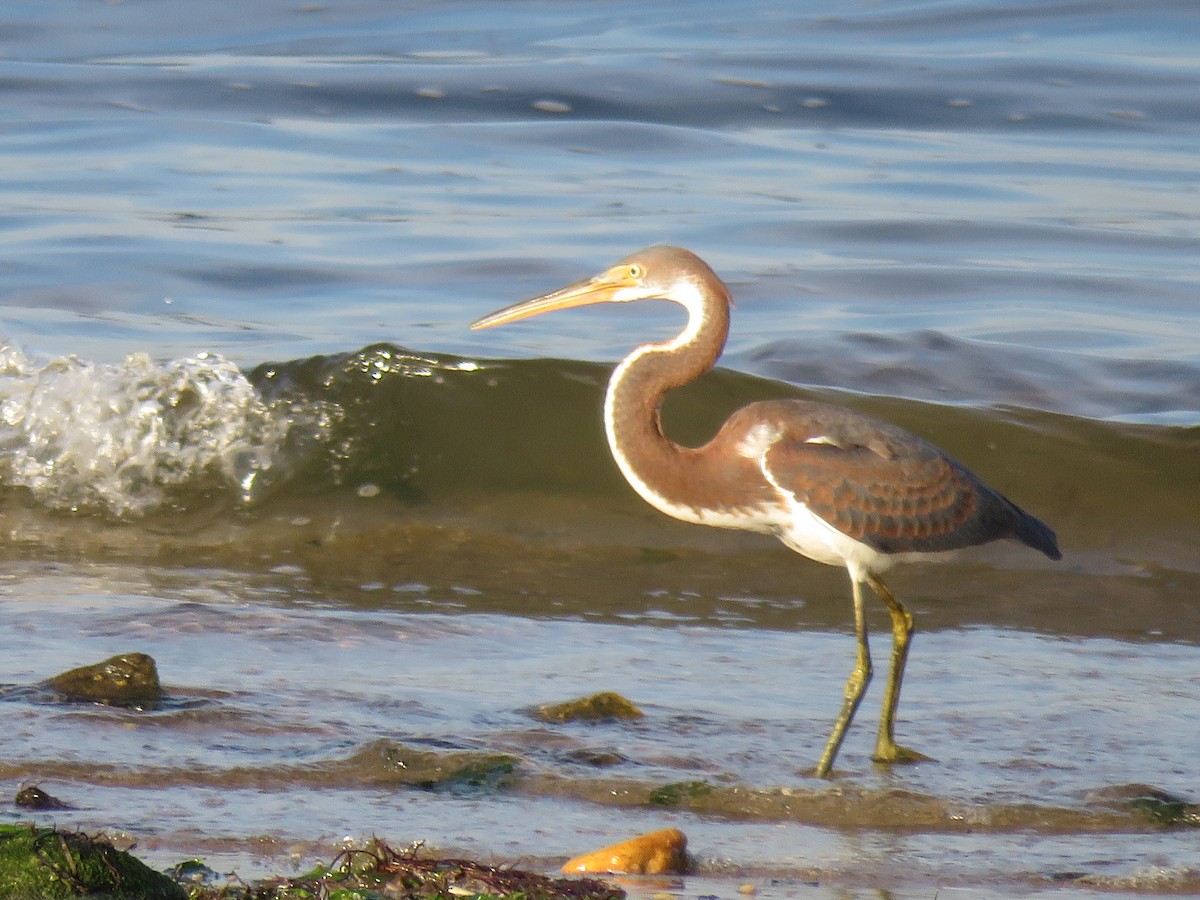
(640, 382)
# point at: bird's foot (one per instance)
(890, 753)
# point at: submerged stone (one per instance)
(130, 679)
(1167, 810)
(1159, 807)
(597, 707)
(680, 793)
(599, 759)
(657, 853)
(47, 864)
(455, 771)
(485, 772)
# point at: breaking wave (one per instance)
(129, 438)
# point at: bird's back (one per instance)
(879, 484)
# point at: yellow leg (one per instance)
(886, 748)
(856, 685)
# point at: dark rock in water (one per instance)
(597, 707)
(130, 679)
(33, 797)
(49, 864)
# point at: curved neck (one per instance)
(637, 387)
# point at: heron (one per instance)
(836, 485)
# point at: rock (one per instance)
(657, 853)
(599, 759)
(597, 707)
(33, 797)
(130, 679)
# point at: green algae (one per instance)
(603, 706)
(376, 871)
(46, 864)
(1167, 810)
(680, 793)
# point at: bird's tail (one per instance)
(1032, 531)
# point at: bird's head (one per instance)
(660, 272)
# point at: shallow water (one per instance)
(244, 428)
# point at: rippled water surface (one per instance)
(244, 428)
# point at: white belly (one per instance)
(812, 536)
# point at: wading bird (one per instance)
(835, 485)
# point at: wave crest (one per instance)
(130, 438)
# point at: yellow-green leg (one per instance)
(856, 685)
(886, 748)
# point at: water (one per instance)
(244, 427)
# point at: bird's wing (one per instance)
(881, 485)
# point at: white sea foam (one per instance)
(127, 438)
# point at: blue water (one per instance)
(982, 217)
(315, 179)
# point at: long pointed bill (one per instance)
(599, 289)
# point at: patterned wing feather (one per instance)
(888, 488)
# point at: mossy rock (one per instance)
(600, 707)
(46, 864)
(130, 679)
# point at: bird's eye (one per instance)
(636, 271)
